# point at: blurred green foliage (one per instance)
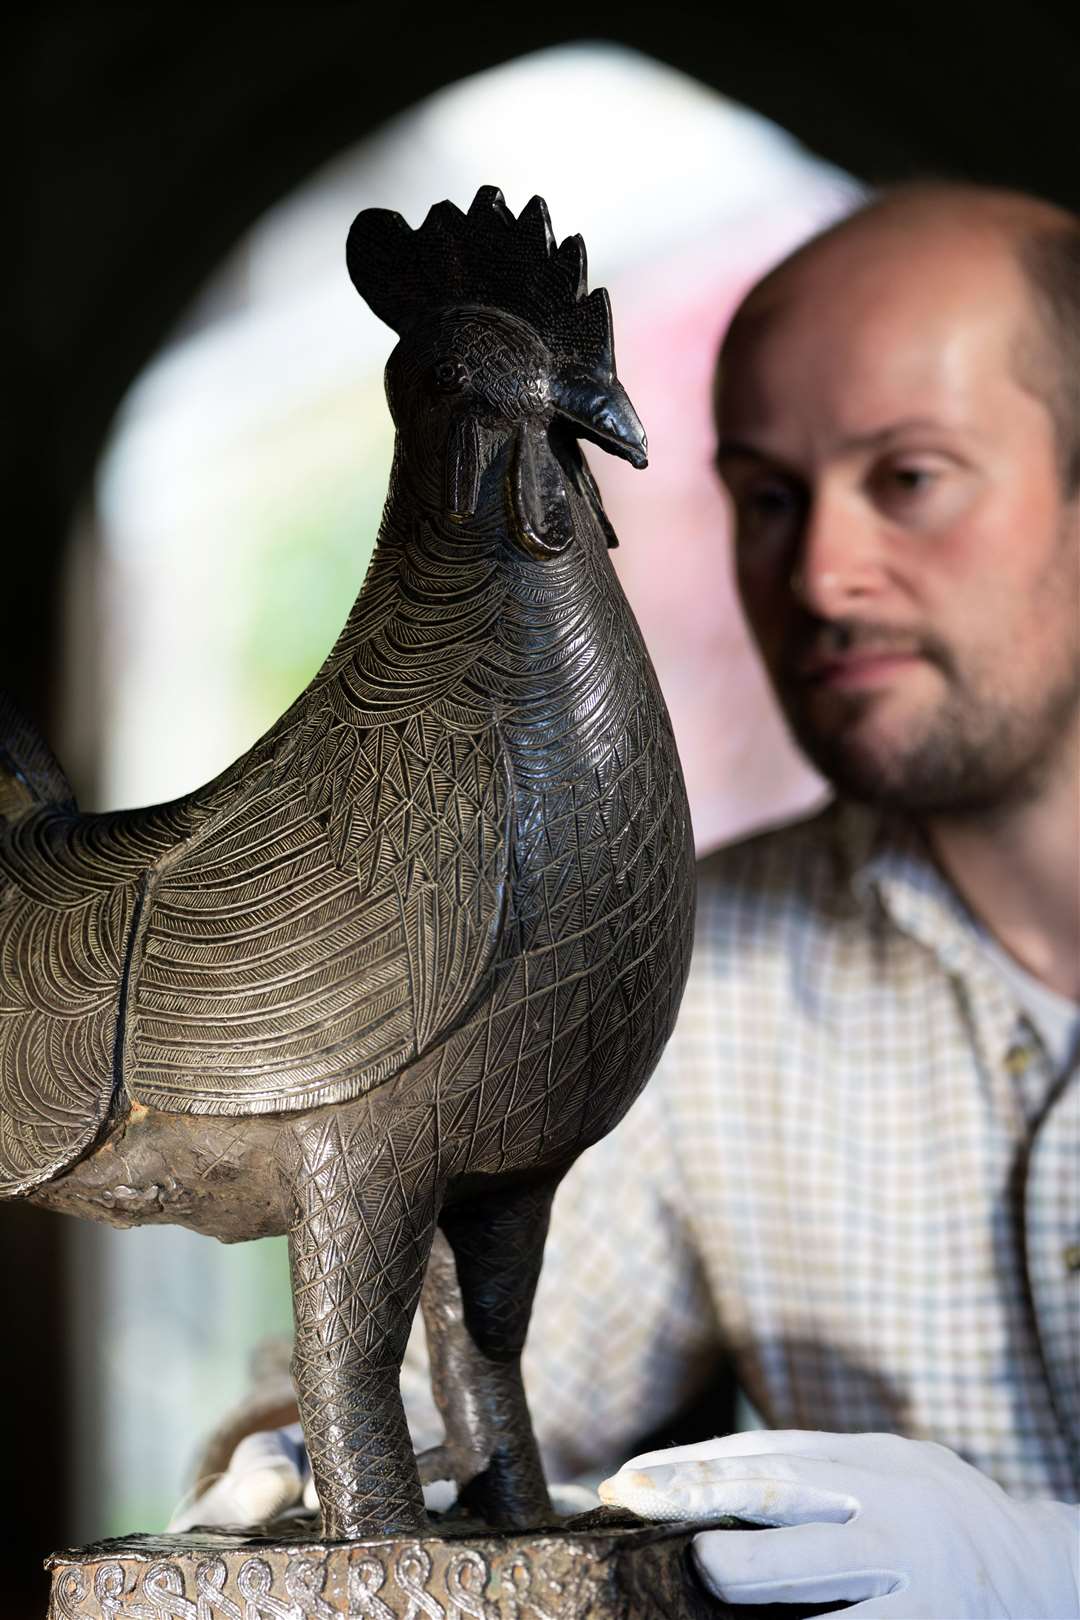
(312, 551)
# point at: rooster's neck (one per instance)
(461, 620)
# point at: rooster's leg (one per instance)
(358, 1246)
(476, 1324)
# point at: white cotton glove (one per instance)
(268, 1474)
(570, 1500)
(905, 1524)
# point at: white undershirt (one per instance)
(1054, 1017)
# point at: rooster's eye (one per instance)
(450, 376)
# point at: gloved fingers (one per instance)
(774, 1490)
(261, 1494)
(254, 1497)
(265, 1476)
(269, 1448)
(568, 1500)
(439, 1495)
(758, 1443)
(806, 1563)
(201, 1509)
(308, 1496)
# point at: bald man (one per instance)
(855, 1178)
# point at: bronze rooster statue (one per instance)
(397, 967)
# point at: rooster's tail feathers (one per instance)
(29, 774)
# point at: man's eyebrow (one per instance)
(891, 430)
(729, 450)
(735, 449)
(741, 450)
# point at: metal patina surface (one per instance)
(389, 974)
(603, 1573)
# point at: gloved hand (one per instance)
(269, 1474)
(905, 1524)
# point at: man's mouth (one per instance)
(859, 668)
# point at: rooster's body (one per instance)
(396, 968)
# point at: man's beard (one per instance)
(974, 754)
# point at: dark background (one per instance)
(142, 141)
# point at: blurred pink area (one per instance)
(742, 770)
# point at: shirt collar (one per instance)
(893, 871)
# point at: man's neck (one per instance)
(1019, 872)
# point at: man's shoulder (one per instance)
(799, 873)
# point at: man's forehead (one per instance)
(933, 230)
(884, 324)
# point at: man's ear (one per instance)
(461, 476)
(538, 493)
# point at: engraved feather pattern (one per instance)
(335, 919)
(337, 915)
(68, 893)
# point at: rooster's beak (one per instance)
(601, 411)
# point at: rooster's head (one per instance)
(504, 359)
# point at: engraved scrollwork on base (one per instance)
(164, 1585)
(412, 1571)
(109, 1586)
(210, 1578)
(466, 1579)
(69, 1590)
(518, 1585)
(608, 1573)
(305, 1582)
(256, 1581)
(367, 1577)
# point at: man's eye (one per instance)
(760, 502)
(908, 479)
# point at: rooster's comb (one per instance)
(484, 257)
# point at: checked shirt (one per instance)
(854, 1179)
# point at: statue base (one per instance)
(598, 1567)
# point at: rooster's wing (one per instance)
(338, 916)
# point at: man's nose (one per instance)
(838, 563)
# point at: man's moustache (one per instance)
(823, 642)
